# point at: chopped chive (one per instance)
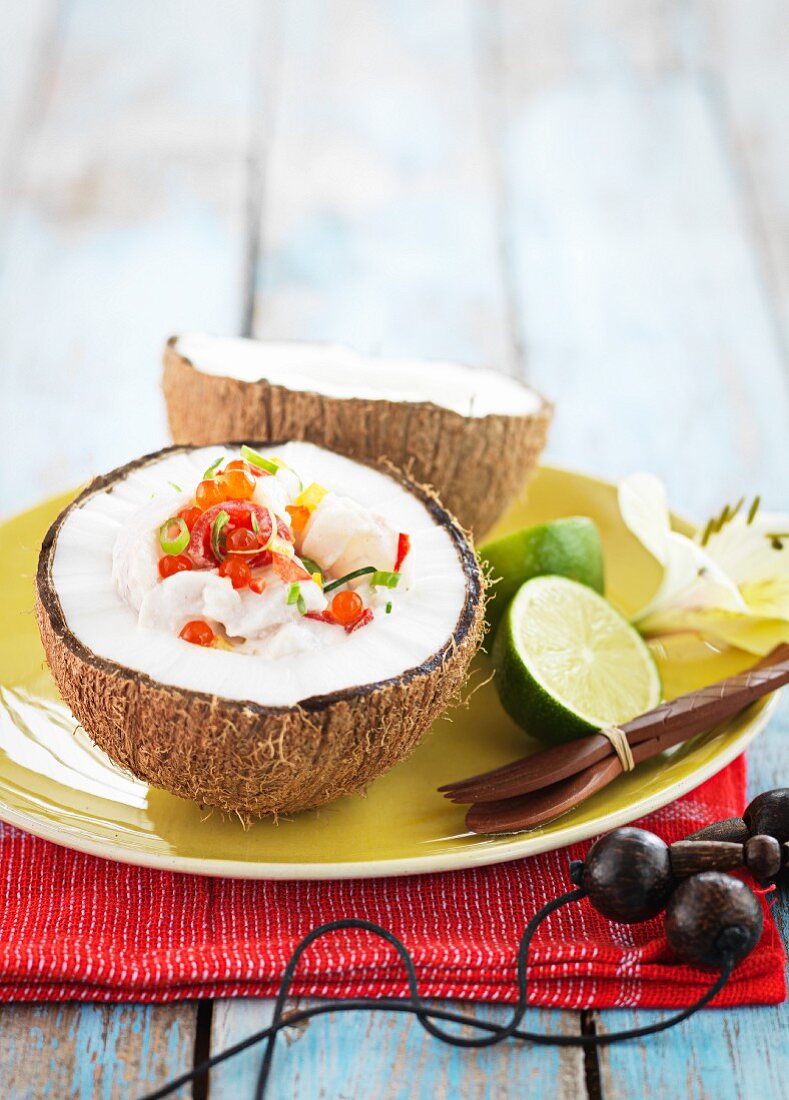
(350, 577)
(311, 566)
(209, 474)
(177, 488)
(382, 578)
(389, 608)
(754, 508)
(219, 523)
(294, 594)
(255, 524)
(301, 604)
(174, 536)
(258, 460)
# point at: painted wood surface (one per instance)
(126, 221)
(97, 1051)
(123, 218)
(391, 1057)
(593, 196)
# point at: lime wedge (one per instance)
(567, 663)
(566, 548)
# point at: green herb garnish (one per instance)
(174, 536)
(382, 578)
(209, 474)
(219, 524)
(364, 572)
(267, 464)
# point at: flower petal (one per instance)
(756, 562)
(644, 508)
(752, 633)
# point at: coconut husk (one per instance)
(244, 757)
(477, 465)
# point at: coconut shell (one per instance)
(477, 465)
(244, 757)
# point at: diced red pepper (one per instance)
(363, 620)
(403, 550)
(322, 617)
(289, 570)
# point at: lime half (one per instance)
(567, 663)
(567, 548)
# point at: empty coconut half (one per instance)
(474, 435)
(340, 606)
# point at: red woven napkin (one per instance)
(74, 926)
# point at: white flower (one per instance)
(730, 583)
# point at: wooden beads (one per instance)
(760, 854)
(733, 829)
(763, 857)
(711, 918)
(630, 875)
(689, 857)
(627, 875)
(769, 813)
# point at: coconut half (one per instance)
(232, 730)
(475, 435)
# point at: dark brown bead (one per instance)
(763, 857)
(689, 857)
(712, 917)
(627, 875)
(733, 829)
(769, 814)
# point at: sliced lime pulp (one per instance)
(568, 663)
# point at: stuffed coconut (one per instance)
(453, 427)
(260, 629)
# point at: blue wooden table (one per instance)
(593, 196)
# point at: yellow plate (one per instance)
(56, 784)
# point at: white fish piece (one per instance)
(135, 555)
(277, 491)
(341, 535)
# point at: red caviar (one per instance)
(171, 564)
(242, 541)
(208, 494)
(237, 484)
(347, 607)
(247, 467)
(237, 570)
(198, 633)
(190, 516)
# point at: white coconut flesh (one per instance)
(104, 568)
(337, 371)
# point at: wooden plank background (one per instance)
(593, 196)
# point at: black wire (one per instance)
(426, 1013)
